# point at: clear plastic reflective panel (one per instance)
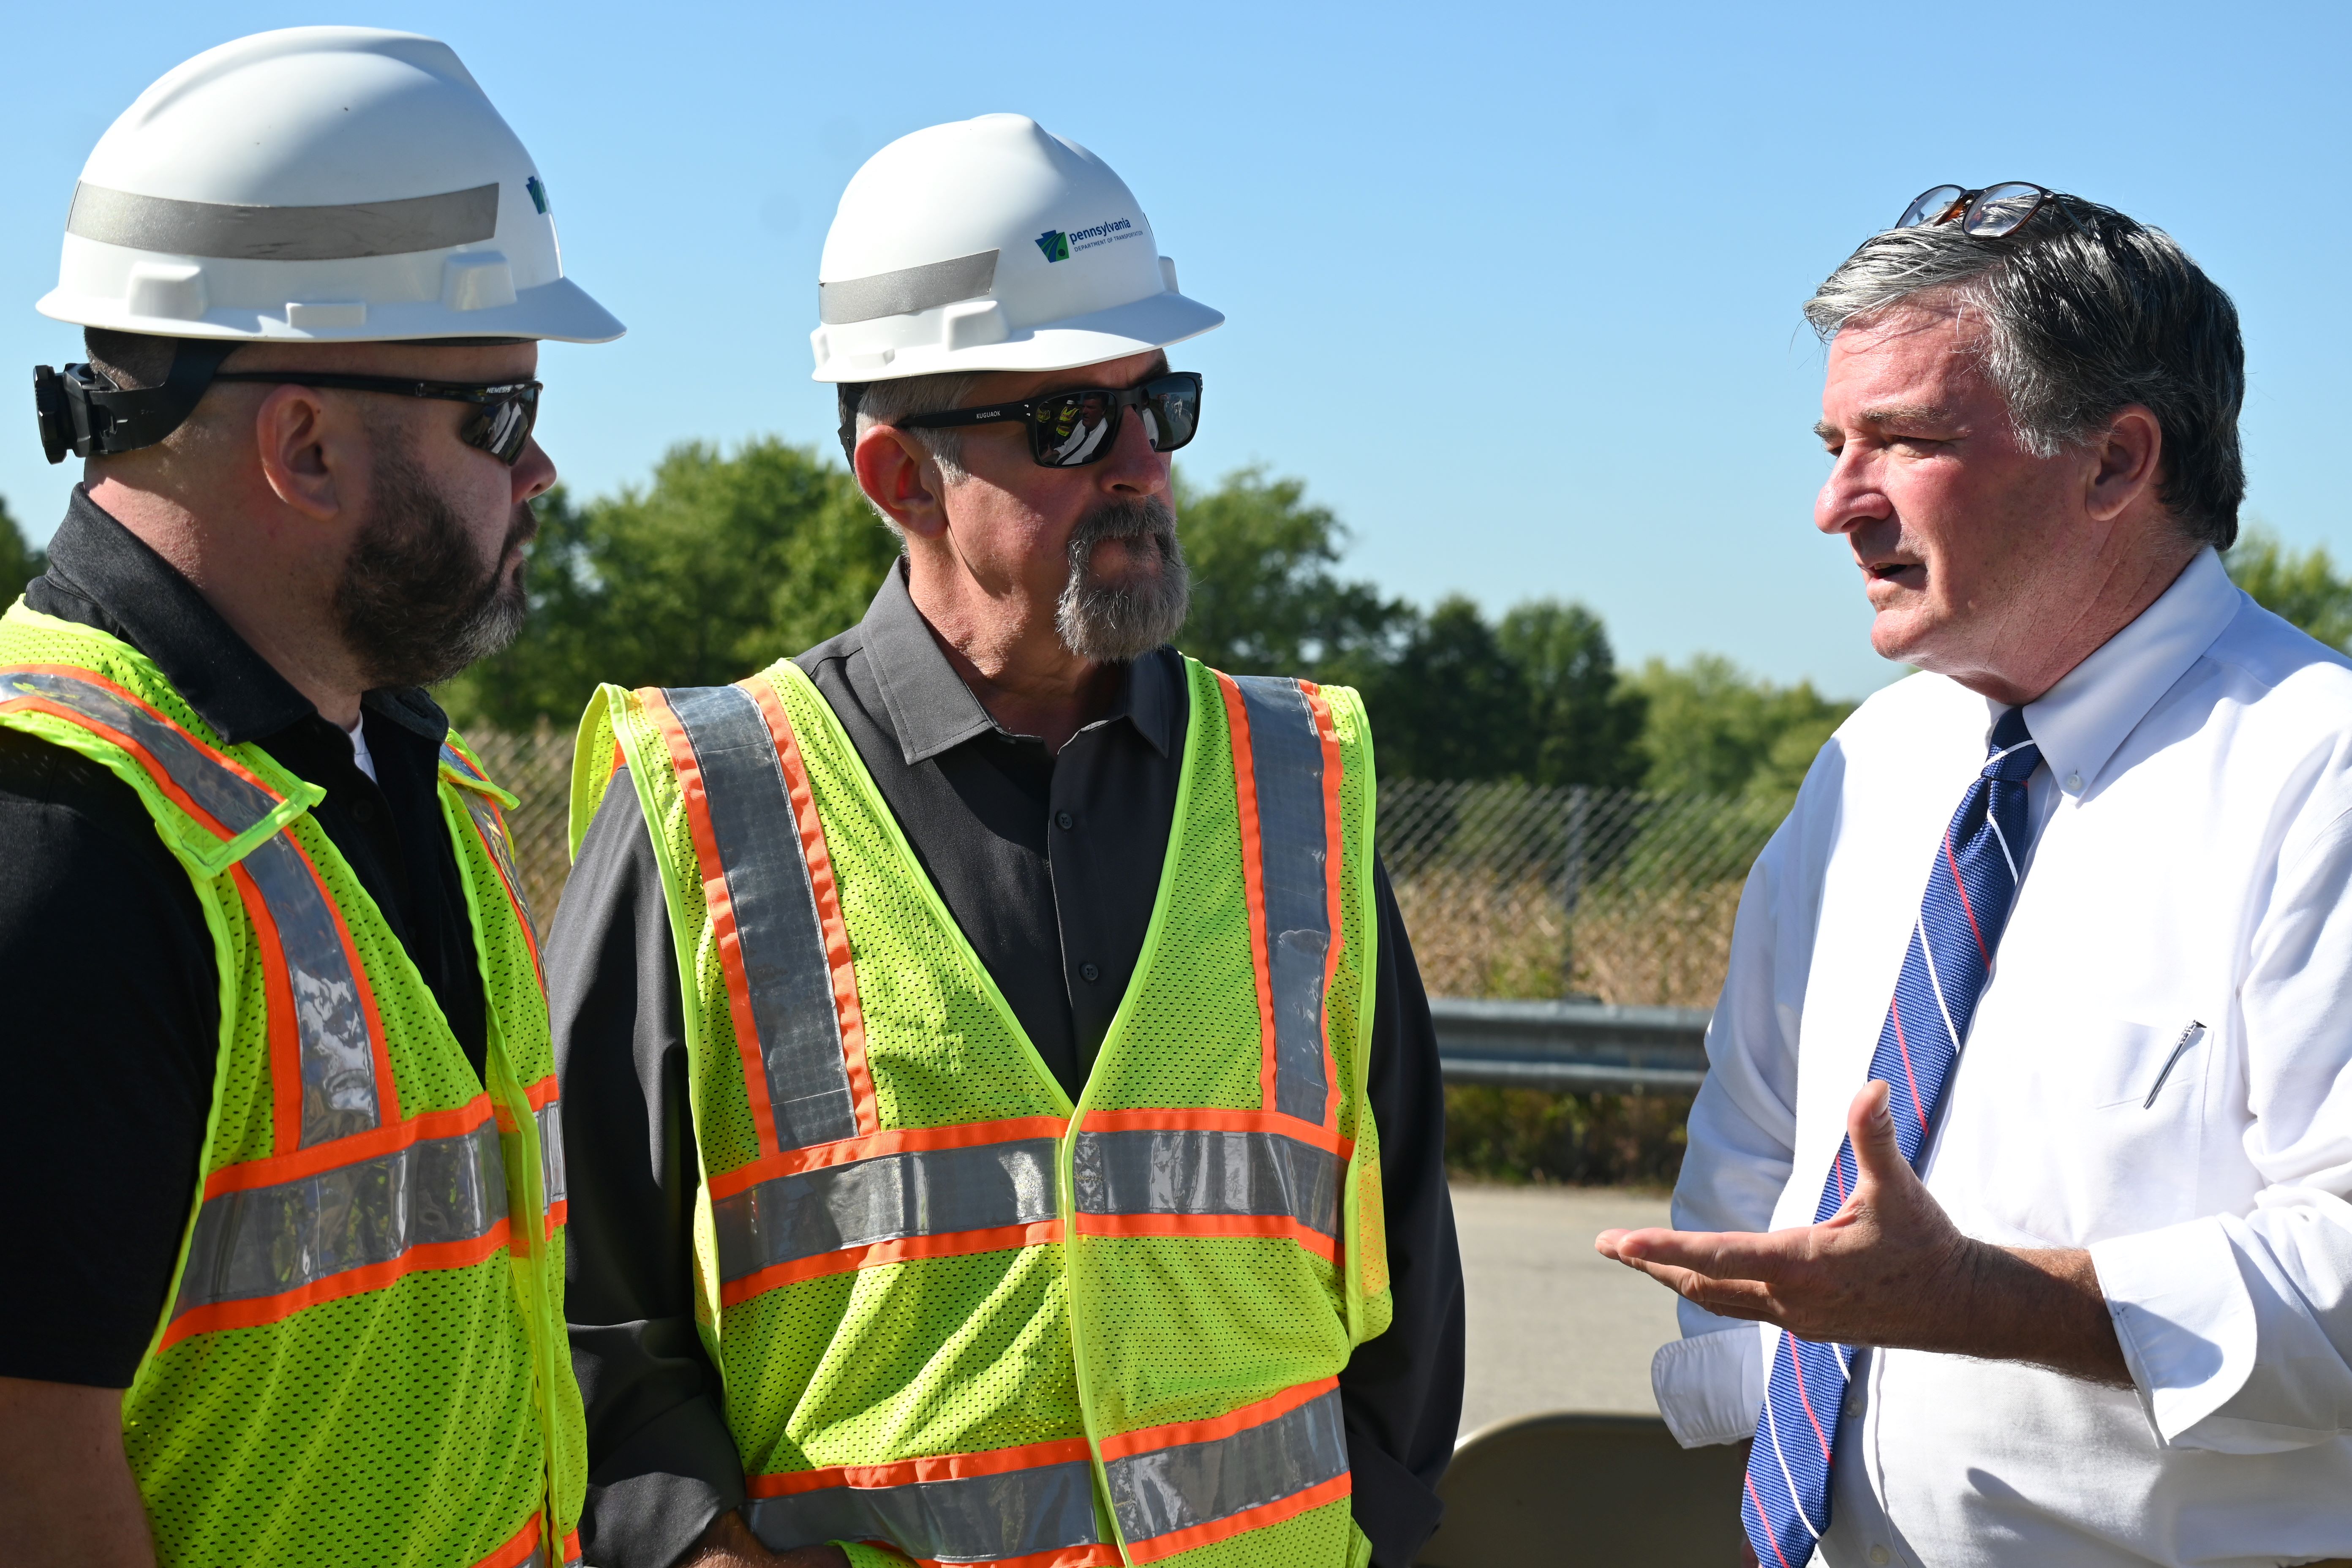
(2000, 209)
(1929, 205)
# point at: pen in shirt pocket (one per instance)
(2188, 1036)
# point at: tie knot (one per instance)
(2014, 756)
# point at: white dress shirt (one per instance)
(2185, 901)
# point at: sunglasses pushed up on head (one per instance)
(1986, 214)
(1071, 429)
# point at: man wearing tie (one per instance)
(2027, 1134)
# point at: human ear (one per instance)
(310, 452)
(898, 475)
(2130, 454)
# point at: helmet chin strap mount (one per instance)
(82, 411)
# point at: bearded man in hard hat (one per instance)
(284, 1228)
(1004, 1117)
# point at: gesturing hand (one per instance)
(1889, 1268)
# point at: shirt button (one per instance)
(1089, 974)
(1880, 1557)
(2073, 783)
(1064, 821)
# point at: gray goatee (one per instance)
(1110, 623)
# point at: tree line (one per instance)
(723, 562)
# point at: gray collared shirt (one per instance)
(1049, 864)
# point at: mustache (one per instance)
(1146, 518)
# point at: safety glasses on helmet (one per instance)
(510, 409)
(1070, 430)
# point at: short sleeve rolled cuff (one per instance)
(1710, 1387)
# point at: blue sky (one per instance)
(1514, 289)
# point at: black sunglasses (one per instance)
(1070, 430)
(510, 409)
(1986, 213)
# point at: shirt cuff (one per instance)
(2184, 1319)
(1710, 1387)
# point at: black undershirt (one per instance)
(111, 1027)
(1049, 864)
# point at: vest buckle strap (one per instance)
(1031, 1506)
(1177, 1487)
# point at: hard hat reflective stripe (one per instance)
(333, 1079)
(262, 1250)
(774, 912)
(1286, 775)
(1187, 1182)
(1176, 1488)
(933, 1203)
(344, 233)
(906, 291)
(1031, 1506)
(549, 1110)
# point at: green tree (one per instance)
(1712, 730)
(1452, 704)
(1265, 598)
(2303, 588)
(19, 562)
(1583, 723)
(722, 565)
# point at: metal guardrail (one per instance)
(1571, 1045)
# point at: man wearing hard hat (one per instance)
(1004, 1118)
(285, 1215)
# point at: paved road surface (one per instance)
(1552, 1324)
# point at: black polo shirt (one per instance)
(1049, 864)
(112, 1017)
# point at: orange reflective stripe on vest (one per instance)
(774, 914)
(322, 1015)
(1287, 773)
(1015, 1507)
(491, 824)
(529, 1550)
(1180, 1487)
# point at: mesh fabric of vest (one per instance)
(425, 1422)
(955, 1355)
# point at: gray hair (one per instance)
(867, 404)
(2085, 312)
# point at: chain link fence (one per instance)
(1508, 889)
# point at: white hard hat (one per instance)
(338, 185)
(990, 244)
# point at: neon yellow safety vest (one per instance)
(955, 1317)
(361, 1360)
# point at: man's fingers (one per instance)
(1870, 1123)
(1725, 1298)
(1719, 1254)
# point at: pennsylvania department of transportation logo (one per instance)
(1057, 245)
(1054, 244)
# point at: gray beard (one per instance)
(1111, 623)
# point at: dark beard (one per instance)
(416, 603)
(1109, 623)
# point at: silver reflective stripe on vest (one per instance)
(972, 1519)
(1286, 758)
(1199, 1483)
(906, 291)
(339, 1090)
(777, 931)
(551, 1153)
(932, 1192)
(284, 234)
(266, 1241)
(1194, 1172)
(485, 816)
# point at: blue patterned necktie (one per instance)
(1970, 891)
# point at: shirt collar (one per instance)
(934, 711)
(136, 595)
(2079, 722)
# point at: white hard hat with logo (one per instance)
(990, 244)
(318, 184)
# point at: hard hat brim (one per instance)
(1154, 321)
(560, 311)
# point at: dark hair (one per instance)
(2087, 312)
